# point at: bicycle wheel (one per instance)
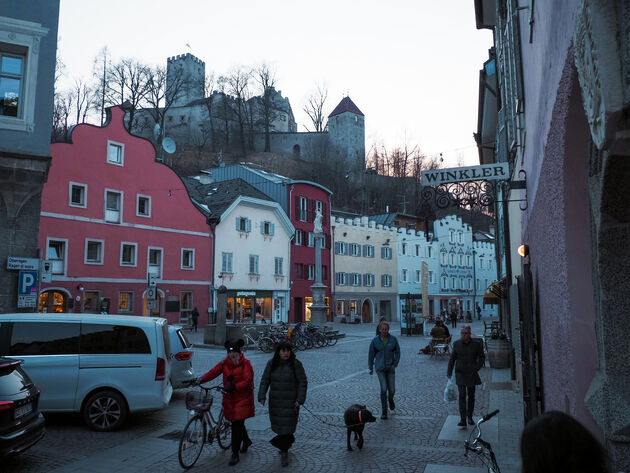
(266, 345)
(332, 340)
(224, 432)
(191, 443)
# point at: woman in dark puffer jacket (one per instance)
(285, 378)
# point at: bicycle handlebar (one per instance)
(489, 416)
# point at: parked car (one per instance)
(102, 366)
(21, 423)
(181, 357)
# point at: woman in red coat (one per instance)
(238, 403)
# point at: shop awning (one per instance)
(494, 293)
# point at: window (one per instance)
(299, 271)
(451, 236)
(339, 306)
(188, 258)
(368, 251)
(462, 283)
(113, 209)
(19, 44)
(311, 239)
(155, 262)
(267, 228)
(303, 210)
(44, 338)
(278, 266)
(429, 252)
(461, 260)
(341, 248)
(125, 302)
(418, 275)
(143, 206)
(386, 280)
(468, 260)
(311, 272)
(403, 275)
(128, 253)
(56, 254)
(480, 263)
(451, 259)
(104, 339)
(417, 250)
(469, 283)
(386, 252)
(115, 153)
(226, 262)
(243, 224)
(78, 193)
(253, 264)
(431, 277)
(355, 249)
(341, 279)
(298, 237)
(444, 282)
(368, 280)
(355, 279)
(403, 249)
(319, 205)
(443, 257)
(460, 237)
(186, 301)
(92, 301)
(453, 282)
(94, 251)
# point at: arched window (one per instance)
(296, 151)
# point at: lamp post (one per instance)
(474, 252)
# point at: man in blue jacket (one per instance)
(385, 354)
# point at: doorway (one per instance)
(53, 301)
(297, 310)
(366, 311)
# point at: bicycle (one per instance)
(202, 426)
(481, 447)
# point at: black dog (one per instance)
(355, 418)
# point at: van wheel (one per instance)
(105, 411)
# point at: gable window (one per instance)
(188, 258)
(155, 261)
(113, 208)
(115, 153)
(368, 251)
(226, 262)
(128, 254)
(143, 206)
(303, 210)
(243, 224)
(278, 266)
(78, 194)
(56, 254)
(253, 264)
(94, 251)
(267, 228)
(298, 237)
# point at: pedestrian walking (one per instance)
(478, 312)
(384, 355)
(286, 381)
(453, 318)
(467, 358)
(238, 402)
(556, 442)
(195, 317)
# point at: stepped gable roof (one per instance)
(218, 196)
(346, 105)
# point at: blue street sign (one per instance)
(27, 283)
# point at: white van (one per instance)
(103, 366)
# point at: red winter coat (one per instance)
(239, 404)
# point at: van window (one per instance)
(97, 339)
(183, 338)
(44, 338)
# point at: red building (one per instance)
(300, 200)
(111, 216)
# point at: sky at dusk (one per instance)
(411, 66)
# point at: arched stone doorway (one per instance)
(366, 311)
(53, 300)
(157, 310)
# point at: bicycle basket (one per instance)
(198, 400)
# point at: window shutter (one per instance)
(271, 228)
(238, 224)
(325, 216)
(262, 228)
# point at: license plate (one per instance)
(23, 410)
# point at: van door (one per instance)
(50, 351)
(117, 356)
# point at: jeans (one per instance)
(239, 435)
(466, 409)
(387, 380)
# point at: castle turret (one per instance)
(185, 78)
(346, 130)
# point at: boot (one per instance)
(234, 460)
(284, 458)
(245, 445)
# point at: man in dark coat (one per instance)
(286, 381)
(467, 358)
(195, 317)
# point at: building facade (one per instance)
(28, 47)
(112, 219)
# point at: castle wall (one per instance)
(347, 136)
(309, 145)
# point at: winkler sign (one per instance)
(485, 172)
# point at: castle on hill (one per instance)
(221, 122)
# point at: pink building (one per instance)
(111, 216)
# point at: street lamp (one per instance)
(474, 252)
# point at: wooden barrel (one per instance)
(499, 353)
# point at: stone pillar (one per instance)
(220, 329)
(319, 309)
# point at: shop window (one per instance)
(92, 301)
(125, 301)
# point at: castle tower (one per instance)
(346, 130)
(192, 72)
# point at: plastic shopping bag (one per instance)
(450, 391)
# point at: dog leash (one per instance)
(344, 426)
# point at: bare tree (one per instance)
(127, 82)
(225, 109)
(266, 78)
(238, 86)
(209, 92)
(315, 108)
(82, 100)
(99, 75)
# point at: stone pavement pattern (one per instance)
(419, 437)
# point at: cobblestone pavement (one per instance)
(416, 438)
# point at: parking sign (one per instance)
(27, 288)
